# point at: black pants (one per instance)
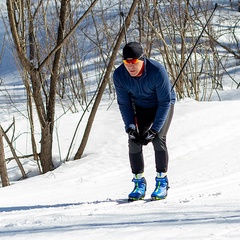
(145, 119)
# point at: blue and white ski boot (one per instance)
(139, 190)
(161, 189)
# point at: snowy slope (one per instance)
(85, 199)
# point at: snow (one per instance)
(86, 199)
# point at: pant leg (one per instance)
(136, 157)
(160, 145)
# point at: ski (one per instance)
(143, 200)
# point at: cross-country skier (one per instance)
(146, 102)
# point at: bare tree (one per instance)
(10, 144)
(169, 30)
(23, 23)
(105, 81)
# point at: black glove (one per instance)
(133, 135)
(149, 136)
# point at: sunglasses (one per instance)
(132, 61)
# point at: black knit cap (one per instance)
(132, 50)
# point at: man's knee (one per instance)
(134, 147)
(159, 143)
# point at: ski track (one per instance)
(91, 219)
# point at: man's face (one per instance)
(133, 68)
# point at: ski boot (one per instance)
(139, 190)
(161, 189)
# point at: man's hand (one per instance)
(149, 136)
(133, 134)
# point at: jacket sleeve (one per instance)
(124, 101)
(163, 91)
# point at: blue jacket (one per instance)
(151, 90)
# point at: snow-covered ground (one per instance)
(86, 199)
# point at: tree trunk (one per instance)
(3, 168)
(46, 149)
(105, 82)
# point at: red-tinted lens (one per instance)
(132, 61)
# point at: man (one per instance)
(146, 102)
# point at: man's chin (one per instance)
(133, 74)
